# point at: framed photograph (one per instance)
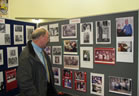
(103, 32)
(120, 85)
(1, 57)
(57, 77)
(125, 27)
(69, 31)
(54, 32)
(1, 82)
(29, 30)
(70, 46)
(86, 33)
(67, 79)
(5, 34)
(57, 54)
(86, 57)
(12, 56)
(71, 62)
(10, 77)
(18, 34)
(80, 81)
(97, 84)
(104, 55)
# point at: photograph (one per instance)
(2, 28)
(125, 46)
(86, 33)
(57, 76)
(120, 85)
(97, 84)
(104, 55)
(69, 31)
(67, 73)
(47, 50)
(103, 32)
(29, 30)
(57, 54)
(18, 34)
(86, 57)
(125, 27)
(5, 34)
(1, 57)
(70, 46)
(80, 86)
(81, 76)
(1, 82)
(54, 32)
(71, 62)
(12, 56)
(7, 39)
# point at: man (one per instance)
(33, 78)
(127, 29)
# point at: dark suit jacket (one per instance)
(31, 74)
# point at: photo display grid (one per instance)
(86, 33)
(120, 85)
(104, 55)
(12, 56)
(1, 82)
(57, 77)
(69, 31)
(29, 30)
(125, 39)
(54, 32)
(67, 78)
(71, 62)
(97, 84)
(103, 32)
(86, 57)
(18, 34)
(57, 54)
(1, 57)
(80, 81)
(5, 34)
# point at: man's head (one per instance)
(40, 37)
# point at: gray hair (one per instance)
(38, 32)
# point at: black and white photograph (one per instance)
(12, 56)
(57, 54)
(29, 30)
(86, 33)
(57, 76)
(97, 84)
(1, 82)
(18, 34)
(103, 32)
(1, 57)
(71, 62)
(86, 57)
(69, 31)
(7, 39)
(5, 34)
(70, 46)
(2, 28)
(54, 32)
(120, 85)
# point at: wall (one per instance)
(68, 8)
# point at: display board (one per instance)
(99, 54)
(13, 37)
